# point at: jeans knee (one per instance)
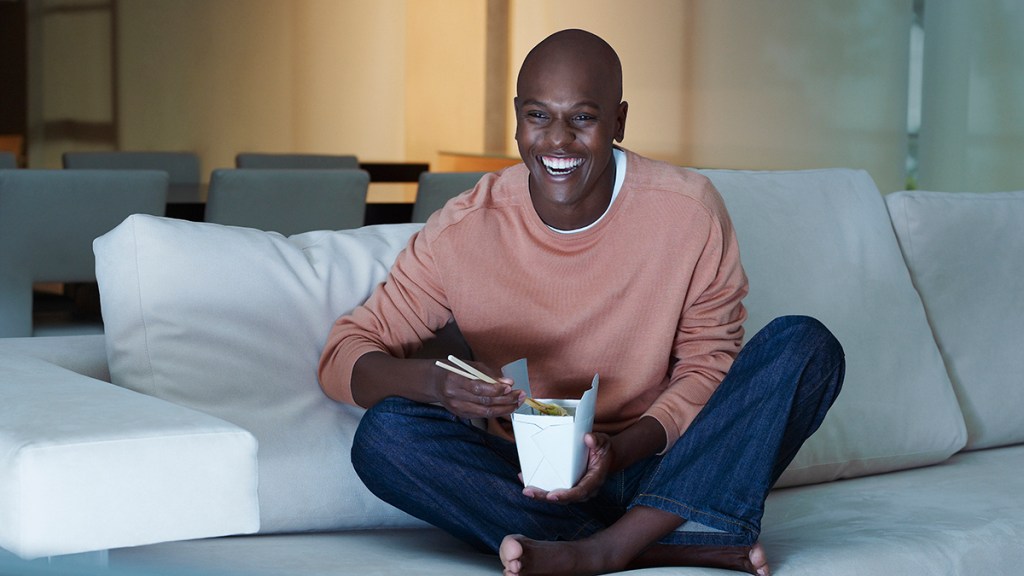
(808, 333)
(375, 433)
(364, 445)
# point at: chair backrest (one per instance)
(8, 160)
(48, 221)
(181, 167)
(288, 201)
(436, 188)
(296, 161)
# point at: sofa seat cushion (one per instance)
(965, 252)
(88, 466)
(962, 517)
(231, 321)
(819, 243)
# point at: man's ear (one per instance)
(515, 108)
(620, 131)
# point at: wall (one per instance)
(786, 84)
(445, 77)
(226, 76)
(739, 84)
(972, 124)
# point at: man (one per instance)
(585, 258)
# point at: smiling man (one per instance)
(585, 258)
(567, 117)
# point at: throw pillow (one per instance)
(819, 243)
(965, 252)
(231, 321)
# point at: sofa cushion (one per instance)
(231, 321)
(965, 252)
(963, 517)
(88, 466)
(819, 243)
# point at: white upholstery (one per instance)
(83, 354)
(819, 243)
(231, 322)
(966, 255)
(952, 519)
(85, 465)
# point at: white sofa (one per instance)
(213, 335)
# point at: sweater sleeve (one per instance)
(400, 315)
(710, 329)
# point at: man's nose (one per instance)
(561, 134)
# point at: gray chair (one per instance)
(288, 201)
(436, 188)
(285, 161)
(8, 160)
(48, 221)
(182, 168)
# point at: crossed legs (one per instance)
(425, 461)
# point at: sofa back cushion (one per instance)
(965, 252)
(819, 243)
(231, 321)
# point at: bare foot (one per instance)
(522, 556)
(751, 560)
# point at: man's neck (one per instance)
(619, 163)
(568, 217)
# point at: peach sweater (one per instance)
(649, 298)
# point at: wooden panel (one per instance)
(457, 162)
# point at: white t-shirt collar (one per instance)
(620, 176)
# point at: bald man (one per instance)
(584, 258)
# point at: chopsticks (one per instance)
(467, 371)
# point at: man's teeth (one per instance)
(561, 166)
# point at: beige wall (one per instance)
(650, 37)
(226, 76)
(445, 77)
(349, 77)
(387, 80)
(718, 83)
(740, 84)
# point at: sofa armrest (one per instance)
(85, 354)
(87, 466)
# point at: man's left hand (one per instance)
(599, 465)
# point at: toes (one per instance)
(759, 560)
(510, 552)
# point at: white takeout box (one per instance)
(552, 454)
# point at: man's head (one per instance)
(569, 112)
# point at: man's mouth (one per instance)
(560, 166)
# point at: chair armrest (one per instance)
(87, 466)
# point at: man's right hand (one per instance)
(377, 375)
(478, 399)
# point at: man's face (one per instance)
(568, 114)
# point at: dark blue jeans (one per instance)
(442, 469)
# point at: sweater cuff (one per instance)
(674, 424)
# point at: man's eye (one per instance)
(584, 118)
(535, 114)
